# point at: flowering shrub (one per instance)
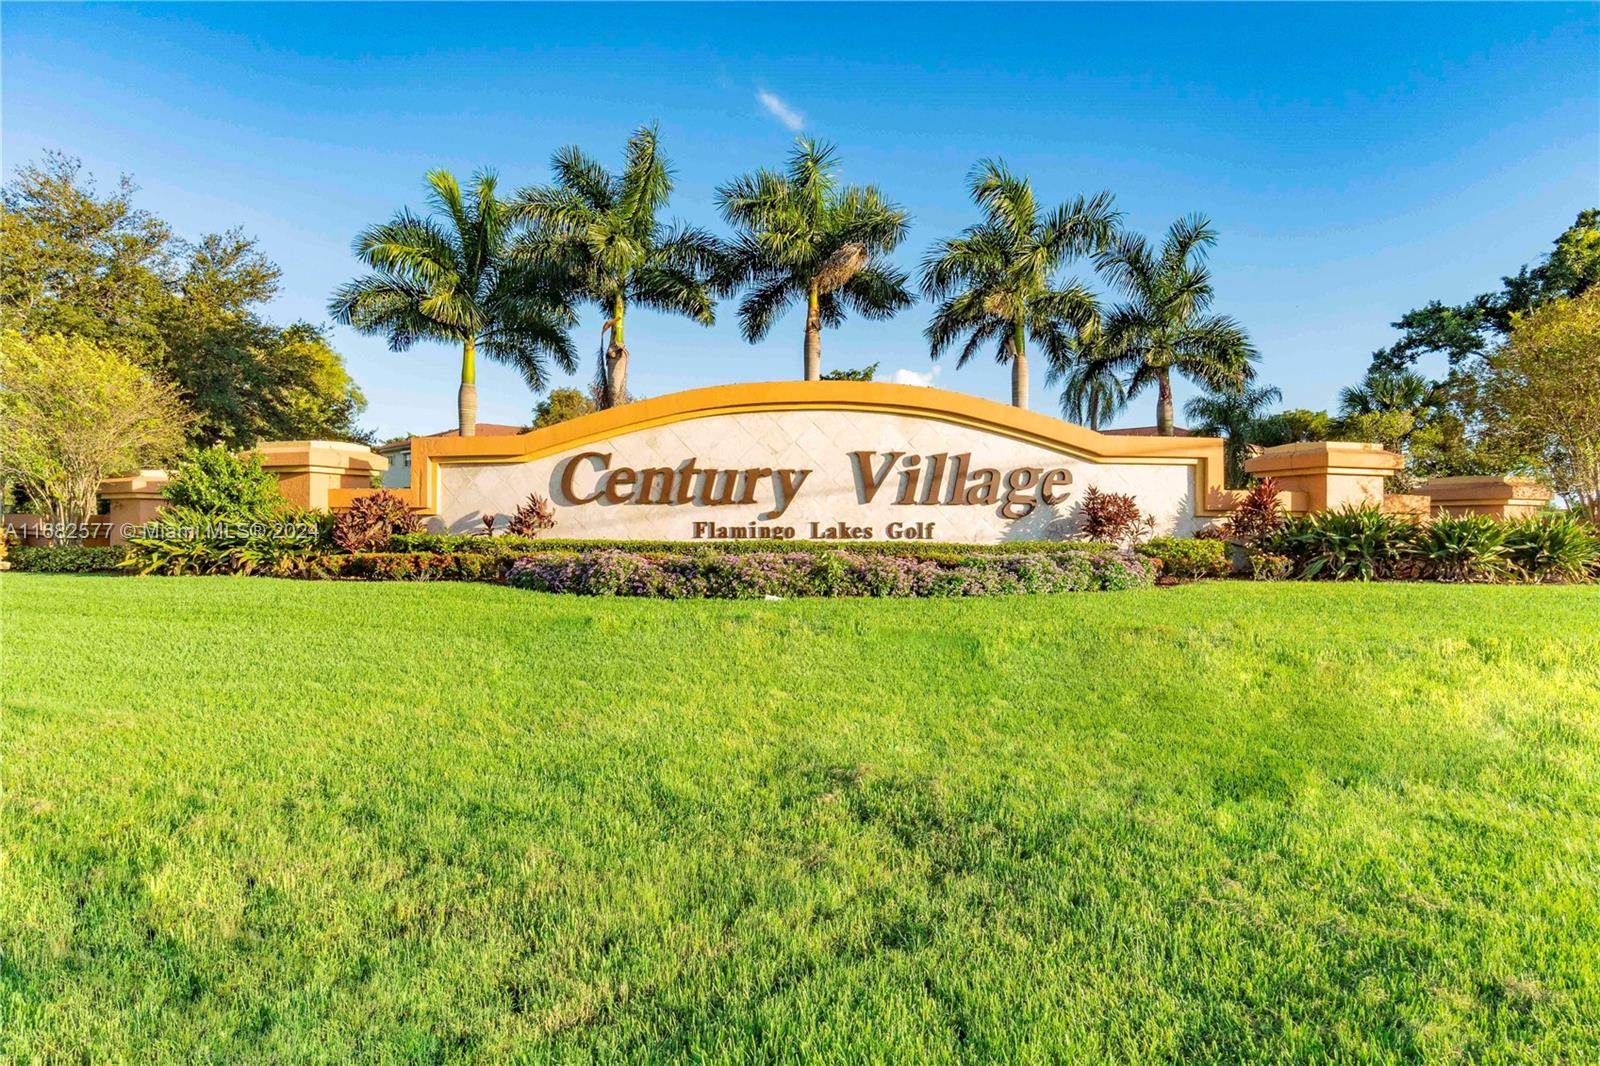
(371, 521)
(756, 574)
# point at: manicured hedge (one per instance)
(66, 559)
(753, 575)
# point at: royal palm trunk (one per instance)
(616, 390)
(1019, 366)
(467, 396)
(813, 366)
(1164, 402)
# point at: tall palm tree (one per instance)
(1236, 417)
(1092, 393)
(1382, 391)
(451, 277)
(600, 231)
(996, 282)
(801, 236)
(1163, 326)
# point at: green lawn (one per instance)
(286, 821)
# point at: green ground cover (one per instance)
(288, 821)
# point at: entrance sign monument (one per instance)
(815, 460)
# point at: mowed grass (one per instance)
(280, 821)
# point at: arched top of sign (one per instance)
(428, 454)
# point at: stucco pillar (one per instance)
(1500, 497)
(1331, 474)
(308, 470)
(134, 500)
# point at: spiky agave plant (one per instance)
(996, 282)
(601, 232)
(452, 276)
(801, 236)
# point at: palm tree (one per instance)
(1163, 327)
(1092, 393)
(451, 277)
(600, 231)
(996, 281)
(1382, 391)
(1236, 417)
(803, 236)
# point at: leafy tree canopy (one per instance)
(866, 373)
(560, 406)
(83, 263)
(1469, 329)
(74, 412)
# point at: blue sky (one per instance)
(1357, 160)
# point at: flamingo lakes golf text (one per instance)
(940, 479)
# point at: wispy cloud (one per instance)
(780, 110)
(903, 376)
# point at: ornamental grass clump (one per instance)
(1462, 548)
(1362, 543)
(1553, 546)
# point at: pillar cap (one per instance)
(1485, 489)
(1326, 456)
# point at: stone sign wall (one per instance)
(814, 460)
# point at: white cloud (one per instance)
(780, 110)
(902, 376)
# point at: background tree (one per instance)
(1092, 393)
(1163, 327)
(560, 406)
(452, 277)
(996, 282)
(1236, 417)
(76, 262)
(1384, 390)
(246, 379)
(866, 373)
(1543, 393)
(600, 232)
(802, 237)
(1463, 331)
(74, 412)
(1292, 427)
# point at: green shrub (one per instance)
(215, 481)
(185, 541)
(415, 566)
(66, 559)
(1462, 548)
(1554, 546)
(1353, 542)
(1185, 558)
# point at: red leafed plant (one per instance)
(372, 520)
(1258, 516)
(1113, 518)
(534, 516)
